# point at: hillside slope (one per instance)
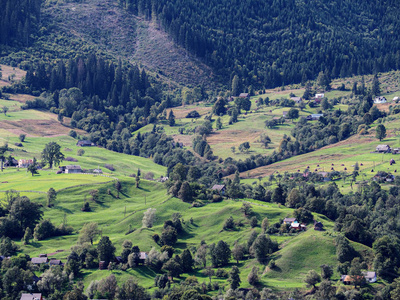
(104, 25)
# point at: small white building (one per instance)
(24, 163)
(379, 100)
(319, 96)
(370, 277)
(395, 98)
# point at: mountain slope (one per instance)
(105, 26)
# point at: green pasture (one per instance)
(116, 216)
(29, 114)
(20, 180)
(94, 157)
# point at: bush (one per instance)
(229, 223)
(80, 152)
(221, 273)
(69, 158)
(18, 144)
(72, 133)
(110, 167)
(193, 114)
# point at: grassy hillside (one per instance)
(298, 253)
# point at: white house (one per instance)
(395, 98)
(319, 96)
(370, 277)
(379, 100)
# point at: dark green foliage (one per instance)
(19, 21)
(380, 132)
(229, 224)
(169, 236)
(312, 278)
(187, 261)
(386, 262)
(234, 277)
(51, 154)
(247, 42)
(193, 114)
(344, 251)
(105, 249)
(51, 197)
(8, 247)
(220, 254)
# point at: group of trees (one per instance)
(19, 20)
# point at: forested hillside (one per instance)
(18, 20)
(270, 43)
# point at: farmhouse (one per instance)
(319, 96)
(379, 100)
(55, 262)
(297, 226)
(284, 114)
(220, 188)
(36, 296)
(370, 277)
(244, 95)
(98, 171)
(289, 220)
(85, 143)
(71, 169)
(39, 260)
(314, 117)
(395, 98)
(383, 149)
(24, 163)
(142, 258)
(297, 100)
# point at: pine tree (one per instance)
(375, 89)
(171, 118)
(234, 277)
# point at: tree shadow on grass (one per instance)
(36, 244)
(66, 210)
(146, 190)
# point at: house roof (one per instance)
(218, 187)
(73, 167)
(36, 296)
(143, 255)
(39, 260)
(296, 99)
(382, 147)
(291, 220)
(55, 262)
(319, 95)
(243, 95)
(369, 275)
(84, 142)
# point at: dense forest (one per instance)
(271, 43)
(19, 19)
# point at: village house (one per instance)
(314, 117)
(395, 98)
(219, 188)
(39, 260)
(383, 149)
(70, 169)
(319, 96)
(289, 220)
(98, 171)
(370, 277)
(284, 113)
(56, 262)
(297, 100)
(244, 95)
(85, 143)
(24, 163)
(297, 226)
(142, 258)
(379, 100)
(35, 296)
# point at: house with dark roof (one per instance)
(297, 100)
(85, 143)
(35, 296)
(55, 262)
(73, 169)
(383, 149)
(39, 260)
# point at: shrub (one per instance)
(69, 158)
(80, 152)
(229, 223)
(110, 167)
(72, 133)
